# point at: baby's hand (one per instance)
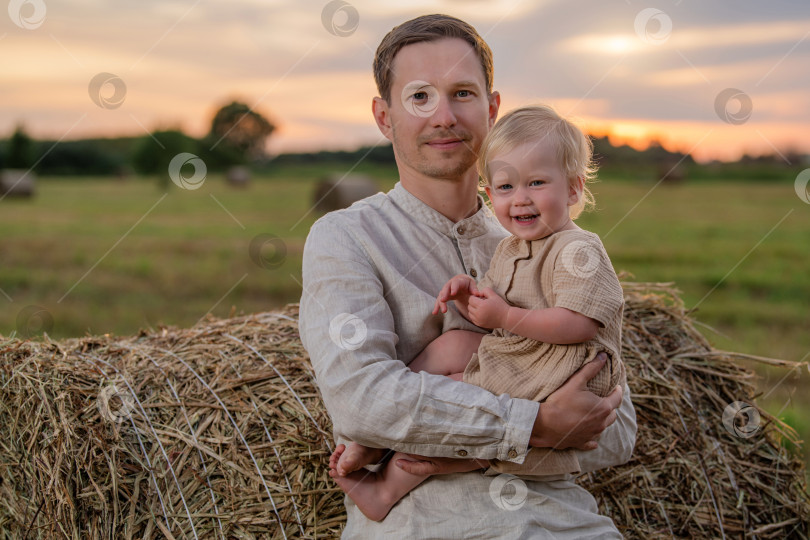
(459, 288)
(487, 309)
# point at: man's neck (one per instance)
(455, 199)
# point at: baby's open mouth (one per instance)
(525, 218)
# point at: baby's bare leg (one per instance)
(346, 459)
(448, 354)
(376, 493)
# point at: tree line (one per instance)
(238, 136)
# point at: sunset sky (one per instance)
(712, 78)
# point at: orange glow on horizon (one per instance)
(704, 141)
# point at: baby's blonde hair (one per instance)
(534, 123)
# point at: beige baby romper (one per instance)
(568, 269)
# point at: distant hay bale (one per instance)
(219, 431)
(671, 171)
(17, 183)
(338, 191)
(238, 176)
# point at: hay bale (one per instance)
(212, 432)
(338, 191)
(238, 176)
(17, 183)
(690, 475)
(219, 431)
(671, 170)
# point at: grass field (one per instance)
(108, 256)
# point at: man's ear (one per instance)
(575, 189)
(379, 107)
(494, 105)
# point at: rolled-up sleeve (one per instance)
(616, 442)
(349, 331)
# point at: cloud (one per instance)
(182, 58)
(688, 39)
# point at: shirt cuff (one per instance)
(522, 415)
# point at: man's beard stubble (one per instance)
(454, 167)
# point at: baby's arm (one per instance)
(556, 325)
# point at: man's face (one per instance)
(439, 111)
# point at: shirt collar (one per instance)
(477, 224)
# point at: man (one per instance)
(371, 273)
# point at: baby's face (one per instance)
(529, 191)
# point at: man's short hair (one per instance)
(421, 29)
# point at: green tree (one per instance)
(238, 134)
(20, 153)
(153, 154)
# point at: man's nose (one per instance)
(444, 116)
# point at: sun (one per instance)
(618, 44)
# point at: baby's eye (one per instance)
(537, 182)
(504, 187)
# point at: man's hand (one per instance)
(459, 289)
(573, 416)
(422, 465)
(487, 309)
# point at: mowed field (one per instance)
(96, 256)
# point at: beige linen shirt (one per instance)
(370, 278)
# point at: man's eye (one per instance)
(420, 96)
(463, 93)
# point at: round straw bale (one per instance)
(219, 431)
(238, 176)
(17, 183)
(338, 191)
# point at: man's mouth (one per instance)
(444, 144)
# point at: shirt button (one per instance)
(462, 453)
(512, 453)
(461, 230)
(473, 273)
